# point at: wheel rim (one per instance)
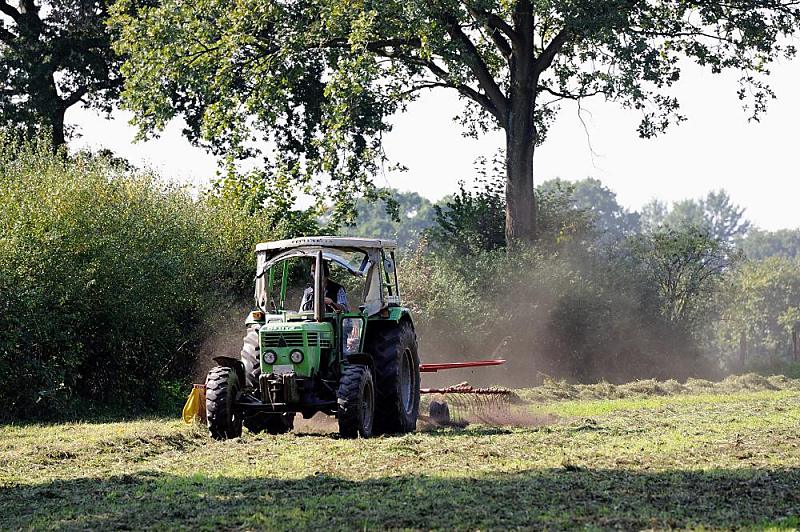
(368, 408)
(407, 382)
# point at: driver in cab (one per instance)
(335, 295)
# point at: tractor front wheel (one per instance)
(356, 398)
(222, 390)
(251, 358)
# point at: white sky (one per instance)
(757, 163)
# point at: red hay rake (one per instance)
(458, 404)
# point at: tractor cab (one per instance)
(315, 336)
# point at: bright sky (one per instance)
(757, 163)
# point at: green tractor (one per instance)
(358, 364)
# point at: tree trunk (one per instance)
(42, 90)
(521, 132)
(57, 121)
(520, 200)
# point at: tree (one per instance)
(472, 220)
(608, 218)
(318, 78)
(687, 265)
(715, 215)
(54, 55)
(758, 244)
(762, 301)
(414, 214)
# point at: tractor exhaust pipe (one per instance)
(319, 291)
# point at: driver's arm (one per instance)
(340, 305)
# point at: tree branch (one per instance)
(6, 36)
(75, 97)
(427, 85)
(9, 10)
(446, 79)
(478, 97)
(494, 33)
(568, 95)
(478, 67)
(492, 21)
(545, 59)
(30, 6)
(499, 30)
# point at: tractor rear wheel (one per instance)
(251, 357)
(394, 352)
(222, 390)
(356, 398)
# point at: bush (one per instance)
(107, 279)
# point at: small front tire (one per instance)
(222, 391)
(356, 398)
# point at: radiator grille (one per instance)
(283, 339)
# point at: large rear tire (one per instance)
(356, 398)
(222, 390)
(394, 351)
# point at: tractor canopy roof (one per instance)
(340, 242)
(363, 257)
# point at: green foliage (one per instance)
(687, 267)
(715, 215)
(473, 220)
(318, 80)
(107, 279)
(414, 214)
(578, 312)
(54, 54)
(758, 244)
(761, 301)
(608, 218)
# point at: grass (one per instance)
(713, 456)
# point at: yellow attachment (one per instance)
(195, 408)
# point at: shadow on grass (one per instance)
(554, 498)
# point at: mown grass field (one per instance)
(644, 455)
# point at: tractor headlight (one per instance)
(270, 357)
(296, 356)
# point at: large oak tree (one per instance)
(318, 78)
(54, 55)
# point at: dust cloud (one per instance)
(566, 318)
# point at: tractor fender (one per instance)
(393, 314)
(233, 363)
(364, 359)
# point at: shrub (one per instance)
(106, 280)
